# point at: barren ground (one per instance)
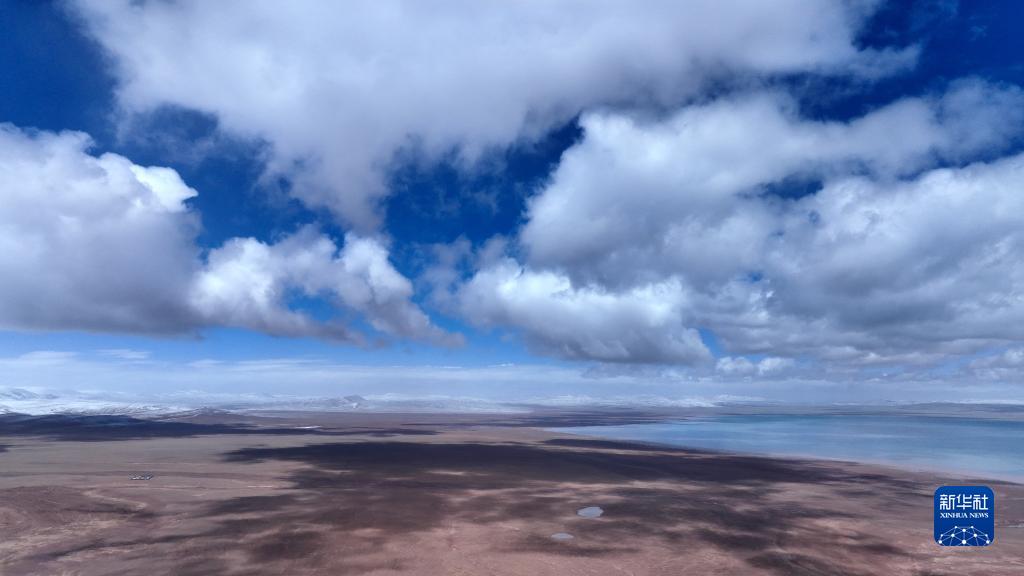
(449, 495)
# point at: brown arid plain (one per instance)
(384, 494)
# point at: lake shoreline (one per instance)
(895, 468)
(959, 445)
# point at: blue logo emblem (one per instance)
(965, 516)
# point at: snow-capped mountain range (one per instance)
(38, 401)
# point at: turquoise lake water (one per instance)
(979, 447)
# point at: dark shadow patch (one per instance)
(605, 445)
(398, 488)
(73, 428)
(510, 464)
(252, 504)
(289, 545)
(347, 500)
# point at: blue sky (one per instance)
(806, 198)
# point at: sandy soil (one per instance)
(450, 495)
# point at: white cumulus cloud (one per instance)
(338, 88)
(102, 244)
(246, 283)
(684, 223)
(638, 325)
